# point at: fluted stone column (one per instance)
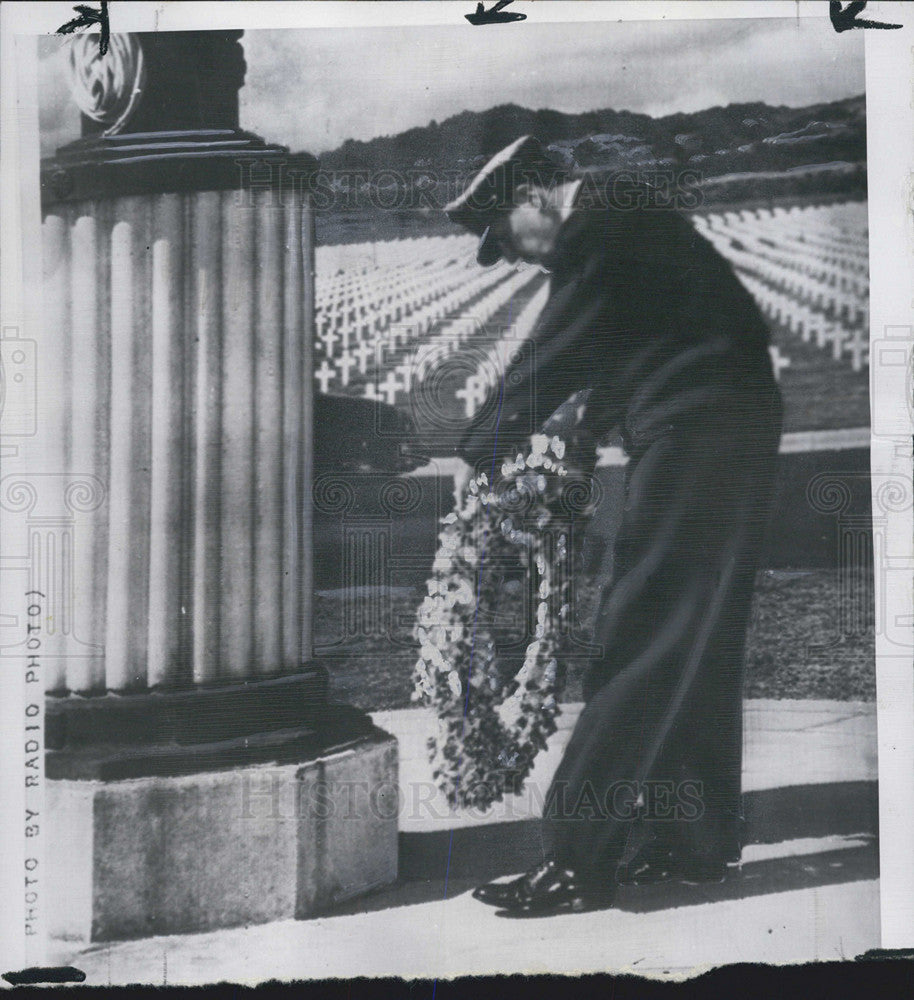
(190, 399)
(179, 300)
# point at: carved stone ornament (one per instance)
(106, 88)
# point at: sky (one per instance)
(312, 89)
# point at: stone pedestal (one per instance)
(250, 844)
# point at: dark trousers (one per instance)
(655, 759)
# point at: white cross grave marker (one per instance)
(329, 338)
(858, 347)
(390, 387)
(363, 352)
(472, 394)
(345, 363)
(324, 375)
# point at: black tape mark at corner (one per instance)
(844, 18)
(50, 974)
(89, 16)
(495, 14)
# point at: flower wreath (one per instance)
(491, 721)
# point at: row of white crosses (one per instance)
(806, 268)
(779, 266)
(838, 232)
(838, 273)
(366, 347)
(361, 317)
(398, 348)
(369, 301)
(810, 324)
(416, 365)
(833, 267)
(383, 307)
(394, 295)
(499, 356)
(355, 303)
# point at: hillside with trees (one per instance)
(739, 155)
(738, 137)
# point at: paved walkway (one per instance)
(807, 888)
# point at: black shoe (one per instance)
(549, 888)
(497, 893)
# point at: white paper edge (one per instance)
(890, 154)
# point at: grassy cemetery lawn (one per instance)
(798, 646)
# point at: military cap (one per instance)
(492, 191)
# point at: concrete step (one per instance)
(787, 744)
(802, 901)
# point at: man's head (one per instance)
(527, 230)
(511, 204)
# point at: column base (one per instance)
(196, 852)
(114, 736)
(188, 811)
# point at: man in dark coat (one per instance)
(646, 316)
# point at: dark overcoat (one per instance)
(631, 289)
(651, 319)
